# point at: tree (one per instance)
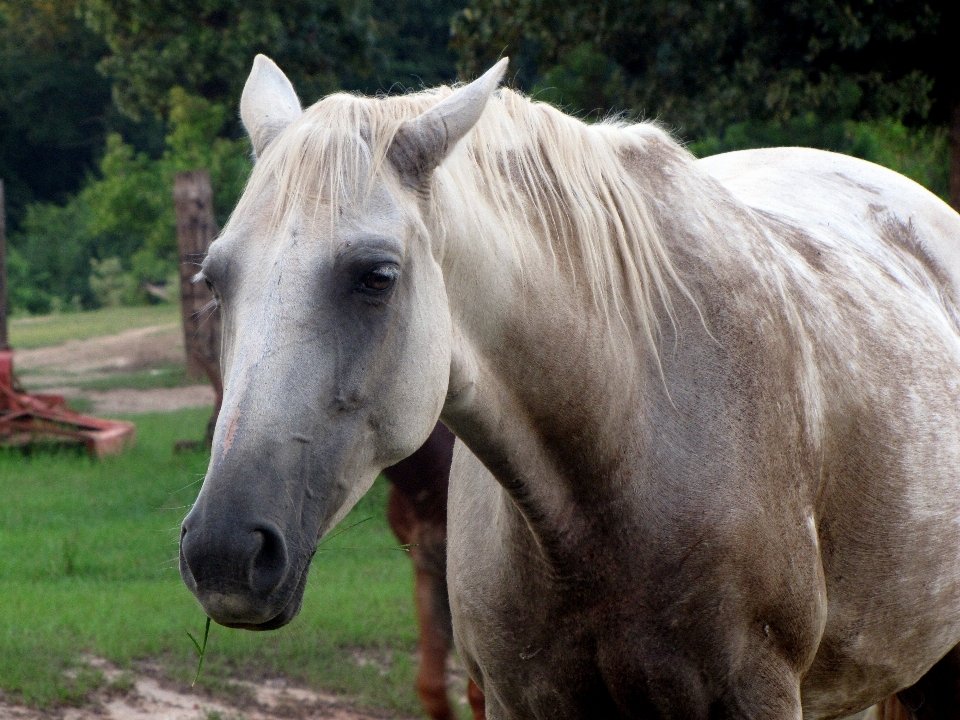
(411, 43)
(118, 232)
(207, 46)
(54, 107)
(707, 64)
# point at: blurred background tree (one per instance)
(90, 191)
(206, 46)
(55, 110)
(119, 229)
(736, 73)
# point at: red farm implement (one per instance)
(27, 419)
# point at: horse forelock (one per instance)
(547, 183)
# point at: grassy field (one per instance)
(88, 566)
(165, 376)
(45, 330)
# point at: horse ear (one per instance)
(422, 143)
(268, 103)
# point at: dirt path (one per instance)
(63, 369)
(142, 696)
(130, 350)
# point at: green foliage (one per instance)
(189, 63)
(196, 141)
(410, 42)
(207, 47)
(55, 109)
(119, 231)
(55, 245)
(923, 154)
(707, 65)
(111, 286)
(25, 293)
(869, 78)
(323, 45)
(586, 79)
(122, 598)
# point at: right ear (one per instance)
(423, 142)
(268, 103)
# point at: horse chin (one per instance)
(289, 611)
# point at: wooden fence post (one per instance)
(196, 229)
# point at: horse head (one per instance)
(337, 332)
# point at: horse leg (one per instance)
(400, 516)
(476, 700)
(889, 709)
(430, 600)
(434, 646)
(935, 696)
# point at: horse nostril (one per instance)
(185, 571)
(269, 565)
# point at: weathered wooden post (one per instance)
(4, 338)
(196, 229)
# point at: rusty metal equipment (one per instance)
(26, 418)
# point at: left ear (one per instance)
(422, 143)
(268, 103)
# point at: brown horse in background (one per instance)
(417, 513)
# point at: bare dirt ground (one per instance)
(59, 370)
(143, 696)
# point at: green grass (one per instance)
(164, 376)
(88, 565)
(45, 330)
(81, 405)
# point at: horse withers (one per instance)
(712, 407)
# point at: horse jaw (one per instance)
(422, 143)
(268, 103)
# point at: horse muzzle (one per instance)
(241, 572)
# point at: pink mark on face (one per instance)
(231, 431)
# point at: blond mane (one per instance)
(556, 184)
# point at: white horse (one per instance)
(712, 408)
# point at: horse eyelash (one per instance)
(209, 307)
(215, 302)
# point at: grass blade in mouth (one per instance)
(200, 649)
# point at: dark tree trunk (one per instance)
(955, 155)
(4, 338)
(196, 229)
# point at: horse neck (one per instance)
(544, 382)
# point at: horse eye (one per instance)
(209, 284)
(379, 280)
